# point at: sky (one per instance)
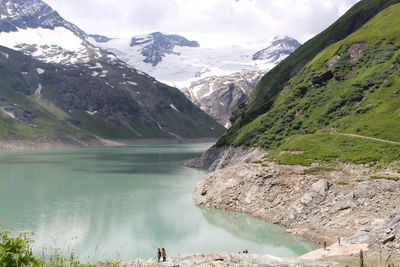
(210, 22)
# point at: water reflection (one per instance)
(258, 231)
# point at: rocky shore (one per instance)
(218, 259)
(356, 204)
(217, 158)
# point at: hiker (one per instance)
(164, 255)
(158, 255)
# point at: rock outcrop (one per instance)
(220, 157)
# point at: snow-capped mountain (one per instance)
(95, 90)
(187, 62)
(23, 14)
(155, 46)
(202, 73)
(278, 50)
(36, 29)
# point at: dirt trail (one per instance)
(370, 138)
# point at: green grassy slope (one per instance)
(273, 82)
(352, 86)
(38, 119)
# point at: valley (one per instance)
(271, 153)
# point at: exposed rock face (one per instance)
(158, 45)
(219, 96)
(99, 38)
(321, 207)
(220, 157)
(279, 49)
(225, 259)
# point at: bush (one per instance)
(16, 251)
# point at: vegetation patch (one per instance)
(17, 251)
(335, 147)
(391, 178)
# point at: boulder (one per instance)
(321, 187)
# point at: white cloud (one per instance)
(211, 22)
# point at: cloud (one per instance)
(211, 22)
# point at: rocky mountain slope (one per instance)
(218, 96)
(61, 86)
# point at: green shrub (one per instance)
(16, 251)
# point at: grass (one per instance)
(334, 147)
(391, 178)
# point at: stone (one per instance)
(362, 192)
(388, 239)
(321, 187)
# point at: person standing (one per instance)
(158, 255)
(164, 255)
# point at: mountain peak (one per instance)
(23, 14)
(155, 46)
(279, 49)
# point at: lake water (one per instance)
(124, 202)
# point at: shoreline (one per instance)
(220, 259)
(21, 145)
(322, 207)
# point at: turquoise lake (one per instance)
(124, 202)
